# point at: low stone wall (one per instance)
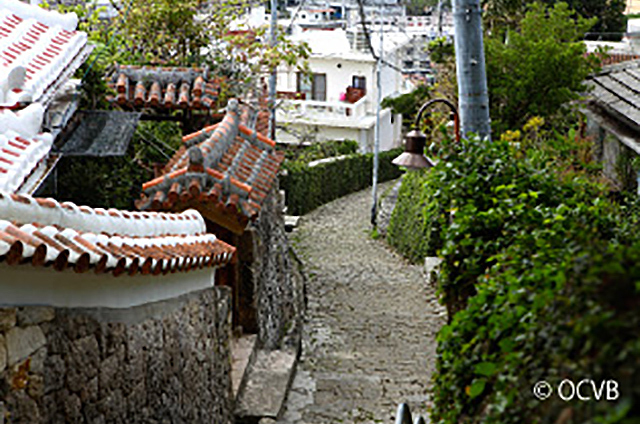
(166, 362)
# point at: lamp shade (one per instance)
(413, 155)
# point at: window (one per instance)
(314, 87)
(359, 82)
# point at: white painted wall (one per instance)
(390, 133)
(339, 71)
(28, 285)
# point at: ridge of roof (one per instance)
(227, 167)
(45, 232)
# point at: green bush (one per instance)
(539, 277)
(116, 181)
(410, 226)
(309, 187)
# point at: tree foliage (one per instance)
(164, 31)
(539, 68)
(187, 33)
(115, 182)
(609, 14)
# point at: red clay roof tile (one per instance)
(43, 231)
(241, 166)
(163, 88)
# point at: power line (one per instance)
(367, 35)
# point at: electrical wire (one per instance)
(367, 35)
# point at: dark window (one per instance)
(314, 87)
(320, 87)
(359, 82)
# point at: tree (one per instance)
(501, 15)
(539, 68)
(188, 33)
(164, 31)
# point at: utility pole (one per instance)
(473, 99)
(274, 72)
(376, 147)
(439, 18)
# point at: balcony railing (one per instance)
(290, 110)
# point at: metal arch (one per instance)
(454, 111)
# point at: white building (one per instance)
(339, 100)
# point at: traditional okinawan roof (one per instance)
(44, 232)
(617, 90)
(22, 146)
(164, 88)
(225, 171)
(39, 51)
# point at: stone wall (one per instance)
(615, 146)
(277, 287)
(166, 362)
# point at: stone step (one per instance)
(265, 385)
(242, 350)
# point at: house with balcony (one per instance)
(339, 99)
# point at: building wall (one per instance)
(339, 72)
(616, 147)
(162, 362)
(390, 133)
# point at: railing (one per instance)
(321, 111)
(404, 416)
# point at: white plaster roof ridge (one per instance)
(22, 147)
(43, 43)
(64, 247)
(26, 209)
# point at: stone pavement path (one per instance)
(371, 320)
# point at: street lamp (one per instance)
(413, 156)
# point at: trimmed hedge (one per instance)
(309, 187)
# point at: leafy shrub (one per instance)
(116, 181)
(309, 187)
(539, 67)
(539, 277)
(410, 229)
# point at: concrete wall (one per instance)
(390, 133)
(157, 363)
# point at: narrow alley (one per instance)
(369, 336)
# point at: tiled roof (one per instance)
(164, 88)
(617, 90)
(44, 232)
(22, 146)
(225, 171)
(35, 57)
(613, 58)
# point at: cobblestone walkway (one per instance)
(371, 320)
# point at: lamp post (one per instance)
(413, 156)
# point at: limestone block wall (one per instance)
(278, 293)
(165, 362)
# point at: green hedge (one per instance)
(540, 277)
(309, 187)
